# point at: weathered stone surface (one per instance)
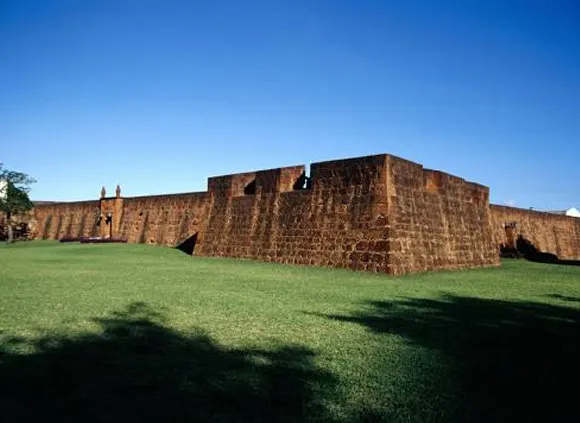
(55, 220)
(550, 233)
(378, 213)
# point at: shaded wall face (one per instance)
(54, 221)
(439, 221)
(550, 233)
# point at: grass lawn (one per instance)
(128, 332)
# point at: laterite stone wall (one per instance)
(439, 221)
(164, 219)
(57, 220)
(550, 233)
(377, 213)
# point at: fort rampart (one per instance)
(378, 213)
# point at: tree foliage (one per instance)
(14, 199)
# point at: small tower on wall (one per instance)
(111, 213)
(104, 229)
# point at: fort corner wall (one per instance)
(439, 221)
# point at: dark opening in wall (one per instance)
(250, 188)
(188, 246)
(303, 182)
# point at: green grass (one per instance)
(141, 333)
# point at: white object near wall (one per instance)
(3, 189)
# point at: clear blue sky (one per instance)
(158, 95)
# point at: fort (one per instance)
(378, 213)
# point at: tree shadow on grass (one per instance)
(138, 369)
(506, 361)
